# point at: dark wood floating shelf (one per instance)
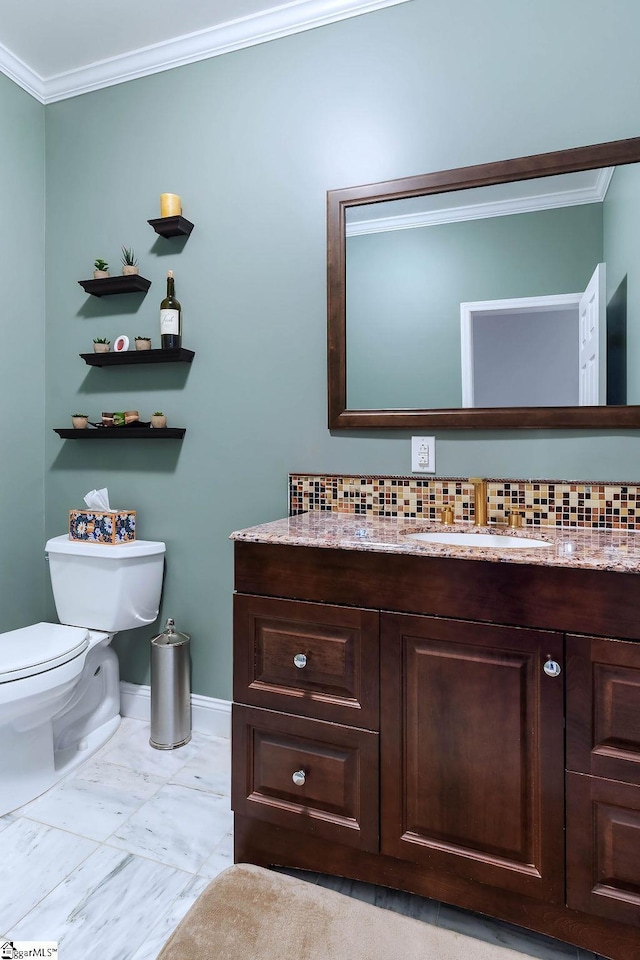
(114, 359)
(121, 433)
(106, 286)
(172, 226)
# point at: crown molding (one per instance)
(480, 211)
(272, 24)
(21, 74)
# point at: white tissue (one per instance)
(98, 500)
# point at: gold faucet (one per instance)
(479, 501)
(447, 515)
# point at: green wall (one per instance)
(252, 141)
(22, 567)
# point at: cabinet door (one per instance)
(318, 778)
(603, 708)
(472, 752)
(312, 659)
(603, 847)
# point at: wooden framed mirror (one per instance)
(575, 208)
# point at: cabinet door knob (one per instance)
(552, 668)
(300, 660)
(299, 778)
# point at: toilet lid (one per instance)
(40, 647)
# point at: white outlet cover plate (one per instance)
(423, 454)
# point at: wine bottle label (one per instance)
(169, 321)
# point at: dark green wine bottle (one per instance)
(170, 317)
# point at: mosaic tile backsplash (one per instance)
(544, 503)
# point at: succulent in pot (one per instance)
(143, 343)
(79, 420)
(158, 420)
(101, 269)
(101, 345)
(129, 262)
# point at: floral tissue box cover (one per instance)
(116, 526)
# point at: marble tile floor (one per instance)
(109, 860)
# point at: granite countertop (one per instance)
(582, 548)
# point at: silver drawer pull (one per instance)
(300, 660)
(552, 668)
(299, 778)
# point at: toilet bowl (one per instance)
(59, 682)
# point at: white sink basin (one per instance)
(471, 539)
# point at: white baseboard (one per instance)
(208, 715)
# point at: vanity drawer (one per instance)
(309, 659)
(307, 775)
(603, 847)
(603, 708)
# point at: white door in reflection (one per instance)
(592, 318)
(535, 351)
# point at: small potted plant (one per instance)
(158, 420)
(143, 343)
(101, 345)
(101, 269)
(79, 420)
(129, 262)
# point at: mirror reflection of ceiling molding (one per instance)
(525, 196)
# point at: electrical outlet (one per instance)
(423, 454)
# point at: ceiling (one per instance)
(62, 49)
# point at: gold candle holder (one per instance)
(170, 205)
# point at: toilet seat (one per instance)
(40, 647)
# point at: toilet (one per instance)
(59, 682)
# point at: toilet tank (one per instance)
(103, 587)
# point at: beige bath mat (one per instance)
(248, 913)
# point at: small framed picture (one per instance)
(121, 343)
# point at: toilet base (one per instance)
(30, 768)
(87, 715)
(67, 760)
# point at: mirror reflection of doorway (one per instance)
(536, 351)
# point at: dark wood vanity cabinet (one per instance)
(384, 733)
